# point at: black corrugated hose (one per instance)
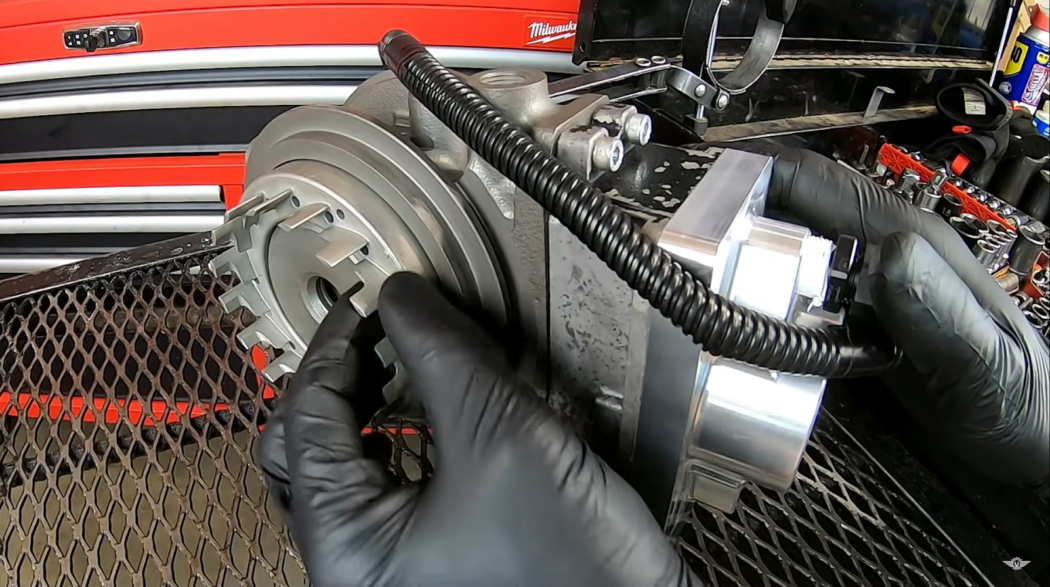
(722, 327)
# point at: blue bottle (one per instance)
(1026, 74)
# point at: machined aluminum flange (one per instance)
(337, 202)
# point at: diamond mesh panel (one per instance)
(130, 416)
(844, 523)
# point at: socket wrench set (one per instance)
(1011, 245)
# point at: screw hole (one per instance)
(328, 216)
(340, 214)
(364, 250)
(295, 201)
(502, 78)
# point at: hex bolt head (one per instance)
(723, 101)
(638, 129)
(608, 153)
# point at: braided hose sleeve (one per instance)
(723, 328)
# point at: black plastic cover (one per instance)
(629, 28)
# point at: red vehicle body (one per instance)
(31, 31)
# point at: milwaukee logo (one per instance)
(545, 32)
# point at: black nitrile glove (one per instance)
(516, 500)
(978, 375)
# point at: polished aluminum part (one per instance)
(743, 423)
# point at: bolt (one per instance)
(638, 129)
(700, 90)
(642, 62)
(659, 60)
(608, 153)
(722, 102)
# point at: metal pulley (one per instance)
(334, 203)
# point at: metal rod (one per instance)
(291, 56)
(1002, 44)
(786, 126)
(99, 267)
(30, 264)
(103, 224)
(269, 95)
(112, 195)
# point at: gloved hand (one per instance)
(977, 375)
(516, 499)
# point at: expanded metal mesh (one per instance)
(130, 415)
(129, 418)
(843, 523)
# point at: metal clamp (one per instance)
(651, 76)
(702, 20)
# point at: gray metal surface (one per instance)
(513, 221)
(337, 200)
(706, 425)
(135, 503)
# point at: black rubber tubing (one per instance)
(720, 326)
